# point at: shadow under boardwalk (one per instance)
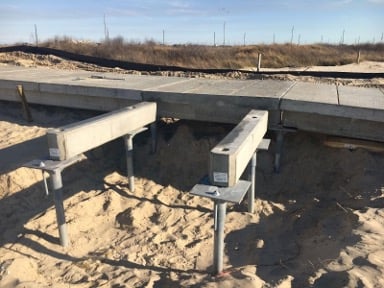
(15, 156)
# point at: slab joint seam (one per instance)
(150, 89)
(242, 88)
(281, 99)
(381, 89)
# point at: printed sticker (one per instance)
(54, 152)
(220, 177)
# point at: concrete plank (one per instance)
(219, 87)
(371, 98)
(91, 91)
(265, 88)
(133, 82)
(227, 113)
(190, 98)
(254, 88)
(310, 97)
(314, 98)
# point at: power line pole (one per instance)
(106, 32)
(224, 34)
(343, 37)
(244, 37)
(292, 31)
(163, 37)
(214, 38)
(36, 38)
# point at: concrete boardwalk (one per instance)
(331, 109)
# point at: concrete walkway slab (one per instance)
(225, 101)
(371, 98)
(311, 98)
(361, 103)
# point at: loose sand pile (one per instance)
(319, 223)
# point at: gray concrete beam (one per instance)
(332, 125)
(230, 157)
(71, 140)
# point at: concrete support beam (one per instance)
(231, 156)
(74, 139)
(338, 126)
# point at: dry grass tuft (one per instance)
(234, 57)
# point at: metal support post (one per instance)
(57, 187)
(220, 211)
(220, 196)
(153, 129)
(252, 178)
(279, 150)
(128, 141)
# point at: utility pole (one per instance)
(274, 38)
(36, 38)
(106, 32)
(224, 34)
(244, 37)
(292, 31)
(343, 37)
(214, 39)
(163, 37)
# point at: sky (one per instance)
(217, 22)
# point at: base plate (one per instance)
(233, 194)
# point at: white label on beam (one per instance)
(54, 152)
(232, 154)
(220, 177)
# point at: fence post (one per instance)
(258, 62)
(358, 57)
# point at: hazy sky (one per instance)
(260, 21)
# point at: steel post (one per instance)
(57, 187)
(279, 150)
(153, 129)
(218, 253)
(252, 178)
(128, 141)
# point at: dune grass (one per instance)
(234, 57)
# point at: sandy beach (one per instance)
(318, 223)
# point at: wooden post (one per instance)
(358, 57)
(24, 103)
(258, 62)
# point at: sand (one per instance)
(318, 223)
